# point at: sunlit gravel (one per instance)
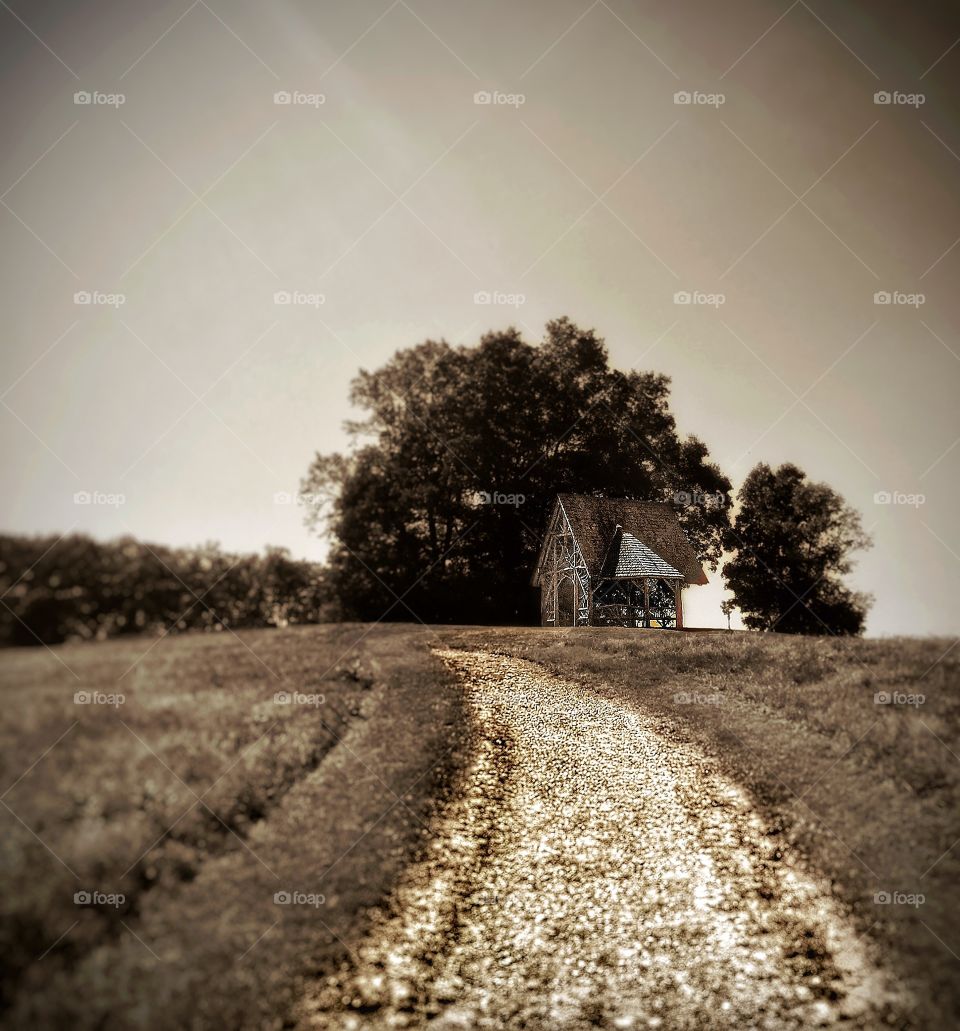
(591, 874)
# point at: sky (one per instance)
(173, 172)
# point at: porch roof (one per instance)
(629, 557)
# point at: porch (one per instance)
(652, 602)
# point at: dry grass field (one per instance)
(183, 809)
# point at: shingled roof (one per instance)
(629, 557)
(594, 522)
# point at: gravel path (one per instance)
(591, 874)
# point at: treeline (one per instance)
(75, 588)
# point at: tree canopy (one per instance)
(436, 511)
(793, 540)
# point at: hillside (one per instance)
(233, 768)
(201, 795)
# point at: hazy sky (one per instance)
(398, 198)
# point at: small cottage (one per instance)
(614, 562)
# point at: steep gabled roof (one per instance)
(654, 524)
(629, 557)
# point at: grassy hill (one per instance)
(235, 814)
(234, 768)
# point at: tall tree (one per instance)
(793, 541)
(437, 510)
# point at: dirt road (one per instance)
(591, 874)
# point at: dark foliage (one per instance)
(793, 541)
(77, 588)
(438, 510)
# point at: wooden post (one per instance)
(556, 586)
(646, 602)
(678, 595)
